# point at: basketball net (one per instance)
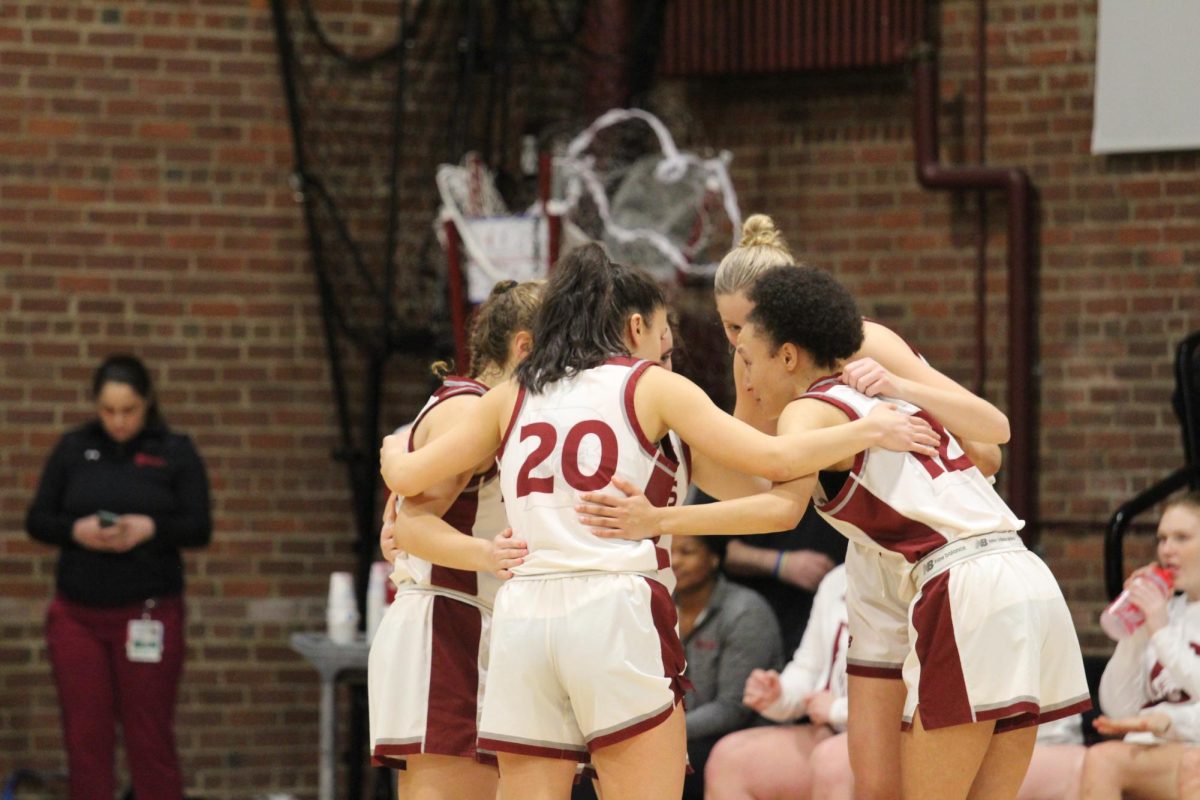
(663, 211)
(672, 213)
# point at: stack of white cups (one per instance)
(341, 613)
(377, 596)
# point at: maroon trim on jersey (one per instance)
(863, 671)
(824, 383)
(461, 516)
(661, 485)
(848, 486)
(624, 361)
(818, 392)
(520, 749)
(466, 386)
(639, 369)
(687, 459)
(942, 698)
(887, 527)
(453, 679)
(516, 412)
(660, 491)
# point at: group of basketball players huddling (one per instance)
(546, 639)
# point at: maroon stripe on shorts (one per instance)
(393, 755)
(666, 622)
(1075, 708)
(942, 692)
(633, 730)
(1009, 717)
(1024, 719)
(521, 749)
(892, 673)
(453, 679)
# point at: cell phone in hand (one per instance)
(107, 518)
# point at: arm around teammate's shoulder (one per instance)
(471, 439)
(664, 400)
(960, 410)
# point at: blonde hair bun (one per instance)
(759, 231)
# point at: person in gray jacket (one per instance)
(727, 631)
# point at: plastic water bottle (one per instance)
(1122, 617)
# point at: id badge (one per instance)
(144, 641)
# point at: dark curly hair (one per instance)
(806, 307)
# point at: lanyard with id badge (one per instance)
(144, 637)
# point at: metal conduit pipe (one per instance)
(1015, 183)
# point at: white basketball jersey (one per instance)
(477, 511)
(573, 437)
(908, 503)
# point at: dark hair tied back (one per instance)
(582, 318)
(130, 371)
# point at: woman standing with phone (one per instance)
(120, 496)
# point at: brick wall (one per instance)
(144, 205)
(830, 156)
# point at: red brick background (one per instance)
(144, 206)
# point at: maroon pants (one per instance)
(99, 686)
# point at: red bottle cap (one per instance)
(1166, 576)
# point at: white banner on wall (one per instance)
(1147, 76)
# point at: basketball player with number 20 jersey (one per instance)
(571, 437)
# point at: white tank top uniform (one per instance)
(428, 660)
(584, 647)
(1159, 673)
(989, 636)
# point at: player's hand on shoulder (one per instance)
(903, 432)
(868, 376)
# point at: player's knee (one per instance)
(1189, 774)
(725, 759)
(830, 776)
